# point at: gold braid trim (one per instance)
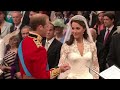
(36, 38)
(54, 72)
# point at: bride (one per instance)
(79, 51)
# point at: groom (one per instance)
(33, 56)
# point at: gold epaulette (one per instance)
(37, 42)
(54, 72)
(36, 38)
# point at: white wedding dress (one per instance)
(79, 64)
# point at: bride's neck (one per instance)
(79, 40)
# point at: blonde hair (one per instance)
(15, 40)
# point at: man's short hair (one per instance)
(28, 27)
(19, 12)
(38, 19)
(110, 15)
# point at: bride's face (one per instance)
(77, 30)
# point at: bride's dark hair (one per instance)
(85, 35)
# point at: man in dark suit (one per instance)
(17, 24)
(53, 47)
(104, 39)
(113, 57)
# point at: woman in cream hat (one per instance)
(98, 12)
(59, 29)
(99, 24)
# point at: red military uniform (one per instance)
(35, 58)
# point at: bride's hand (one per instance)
(64, 67)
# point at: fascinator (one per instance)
(59, 23)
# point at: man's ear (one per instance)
(113, 20)
(40, 26)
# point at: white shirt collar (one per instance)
(18, 26)
(110, 27)
(50, 41)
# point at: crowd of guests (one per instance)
(58, 44)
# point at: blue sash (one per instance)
(20, 54)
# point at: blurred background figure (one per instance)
(24, 32)
(32, 13)
(100, 22)
(9, 17)
(8, 65)
(4, 26)
(17, 23)
(52, 16)
(25, 17)
(92, 17)
(66, 16)
(2, 50)
(93, 33)
(59, 14)
(45, 12)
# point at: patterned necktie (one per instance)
(106, 37)
(15, 28)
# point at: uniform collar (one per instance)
(35, 35)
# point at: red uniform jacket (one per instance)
(35, 57)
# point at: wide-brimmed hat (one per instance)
(59, 23)
(98, 12)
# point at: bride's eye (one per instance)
(77, 28)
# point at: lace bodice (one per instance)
(79, 64)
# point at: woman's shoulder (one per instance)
(65, 45)
(91, 44)
(1, 40)
(8, 24)
(88, 42)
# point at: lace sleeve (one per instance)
(63, 54)
(94, 65)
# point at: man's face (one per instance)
(108, 22)
(24, 32)
(50, 32)
(16, 18)
(45, 28)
